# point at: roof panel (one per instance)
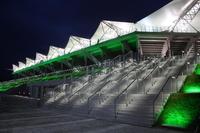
(76, 43)
(29, 62)
(165, 17)
(15, 68)
(40, 57)
(21, 65)
(111, 29)
(55, 52)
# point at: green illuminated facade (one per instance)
(183, 108)
(48, 77)
(192, 84)
(114, 46)
(197, 70)
(98, 51)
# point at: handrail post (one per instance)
(115, 108)
(154, 111)
(88, 105)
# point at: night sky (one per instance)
(30, 26)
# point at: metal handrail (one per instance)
(77, 92)
(85, 83)
(161, 90)
(156, 98)
(94, 94)
(106, 84)
(116, 99)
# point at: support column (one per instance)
(169, 46)
(139, 51)
(85, 60)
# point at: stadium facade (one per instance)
(138, 73)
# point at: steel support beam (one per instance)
(188, 15)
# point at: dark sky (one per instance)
(30, 26)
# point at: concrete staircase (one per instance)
(110, 103)
(127, 93)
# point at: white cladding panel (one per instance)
(21, 65)
(164, 17)
(55, 52)
(29, 62)
(40, 57)
(76, 43)
(111, 29)
(15, 68)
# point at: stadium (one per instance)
(128, 77)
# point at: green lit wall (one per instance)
(192, 84)
(181, 110)
(197, 70)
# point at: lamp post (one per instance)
(159, 68)
(188, 63)
(153, 63)
(183, 53)
(139, 85)
(173, 60)
(173, 78)
(197, 58)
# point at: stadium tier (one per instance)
(98, 51)
(144, 74)
(59, 75)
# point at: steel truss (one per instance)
(188, 15)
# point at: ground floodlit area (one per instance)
(49, 121)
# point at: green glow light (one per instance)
(192, 84)
(181, 110)
(194, 88)
(197, 70)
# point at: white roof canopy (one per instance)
(29, 62)
(166, 17)
(195, 21)
(40, 57)
(15, 68)
(55, 52)
(76, 43)
(177, 16)
(111, 29)
(21, 65)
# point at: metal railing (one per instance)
(110, 81)
(144, 28)
(111, 64)
(94, 94)
(128, 87)
(161, 98)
